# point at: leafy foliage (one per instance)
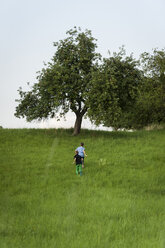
(118, 91)
(64, 83)
(150, 105)
(114, 90)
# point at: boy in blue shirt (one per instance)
(81, 152)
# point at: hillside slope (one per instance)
(118, 202)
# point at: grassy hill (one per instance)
(118, 202)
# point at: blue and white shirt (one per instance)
(80, 150)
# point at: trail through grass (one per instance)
(118, 202)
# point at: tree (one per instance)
(150, 105)
(64, 84)
(114, 91)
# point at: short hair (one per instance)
(82, 143)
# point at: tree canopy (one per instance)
(114, 90)
(65, 82)
(150, 105)
(118, 91)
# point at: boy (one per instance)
(78, 161)
(81, 152)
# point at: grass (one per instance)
(118, 202)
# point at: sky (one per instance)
(28, 29)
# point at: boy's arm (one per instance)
(85, 153)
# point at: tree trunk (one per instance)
(77, 126)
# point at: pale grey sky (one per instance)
(28, 29)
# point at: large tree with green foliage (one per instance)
(150, 105)
(65, 82)
(114, 91)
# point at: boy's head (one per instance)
(82, 144)
(76, 152)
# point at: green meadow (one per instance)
(119, 202)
